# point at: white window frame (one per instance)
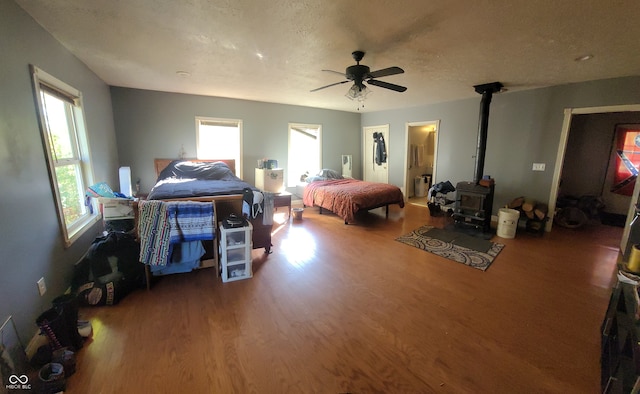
(81, 153)
(238, 123)
(293, 179)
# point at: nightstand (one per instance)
(282, 200)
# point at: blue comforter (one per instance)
(196, 179)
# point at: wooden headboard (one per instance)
(161, 164)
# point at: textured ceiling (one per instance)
(274, 51)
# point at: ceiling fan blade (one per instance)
(333, 84)
(385, 72)
(387, 85)
(335, 72)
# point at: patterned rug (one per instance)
(474, 252)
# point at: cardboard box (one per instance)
(270, 180)
(116, 208)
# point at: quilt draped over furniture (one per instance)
(163, 223)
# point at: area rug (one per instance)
(472, 251)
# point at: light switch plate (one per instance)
(538, 166)
(42, 287)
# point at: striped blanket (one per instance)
(162, 223)
(191, 221)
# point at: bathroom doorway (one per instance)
(421, 155)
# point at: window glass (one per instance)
(219, 139)
(304, 151)
(71, 192)
(58, 125)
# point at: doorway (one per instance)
(420, 158)
(599, 122)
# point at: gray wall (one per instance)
(152, 124)
(524, 128)
(31, 241)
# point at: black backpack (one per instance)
(109, 270)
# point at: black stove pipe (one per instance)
(487, 90)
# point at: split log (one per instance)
(516, 203)
(528, 204)
(541, 211)
(529, 214)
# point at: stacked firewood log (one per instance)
(536, 212)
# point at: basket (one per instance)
(297, 213)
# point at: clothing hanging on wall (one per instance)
(379, 148)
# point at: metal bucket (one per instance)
(297, 213)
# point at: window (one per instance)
(219, 139)
(66, 146)
(304, 151)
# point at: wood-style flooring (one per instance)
(345, 308)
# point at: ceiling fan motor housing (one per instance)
(357, 72)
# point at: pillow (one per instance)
(197, 170)
(314, 178)
(329, 174)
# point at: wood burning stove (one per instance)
(474, 200)
(473, 205)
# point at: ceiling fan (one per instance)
(359, 74)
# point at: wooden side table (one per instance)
(282, 200)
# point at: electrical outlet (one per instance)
(538, 166)
(42, 287)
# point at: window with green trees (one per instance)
(66, 147)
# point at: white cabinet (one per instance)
(235, 252)
(270, 180)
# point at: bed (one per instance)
(346, 196)
(201, 193)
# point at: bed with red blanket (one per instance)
(345, 197)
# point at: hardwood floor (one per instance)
(346, 308)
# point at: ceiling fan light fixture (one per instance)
(358, 93)
(359, 74)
